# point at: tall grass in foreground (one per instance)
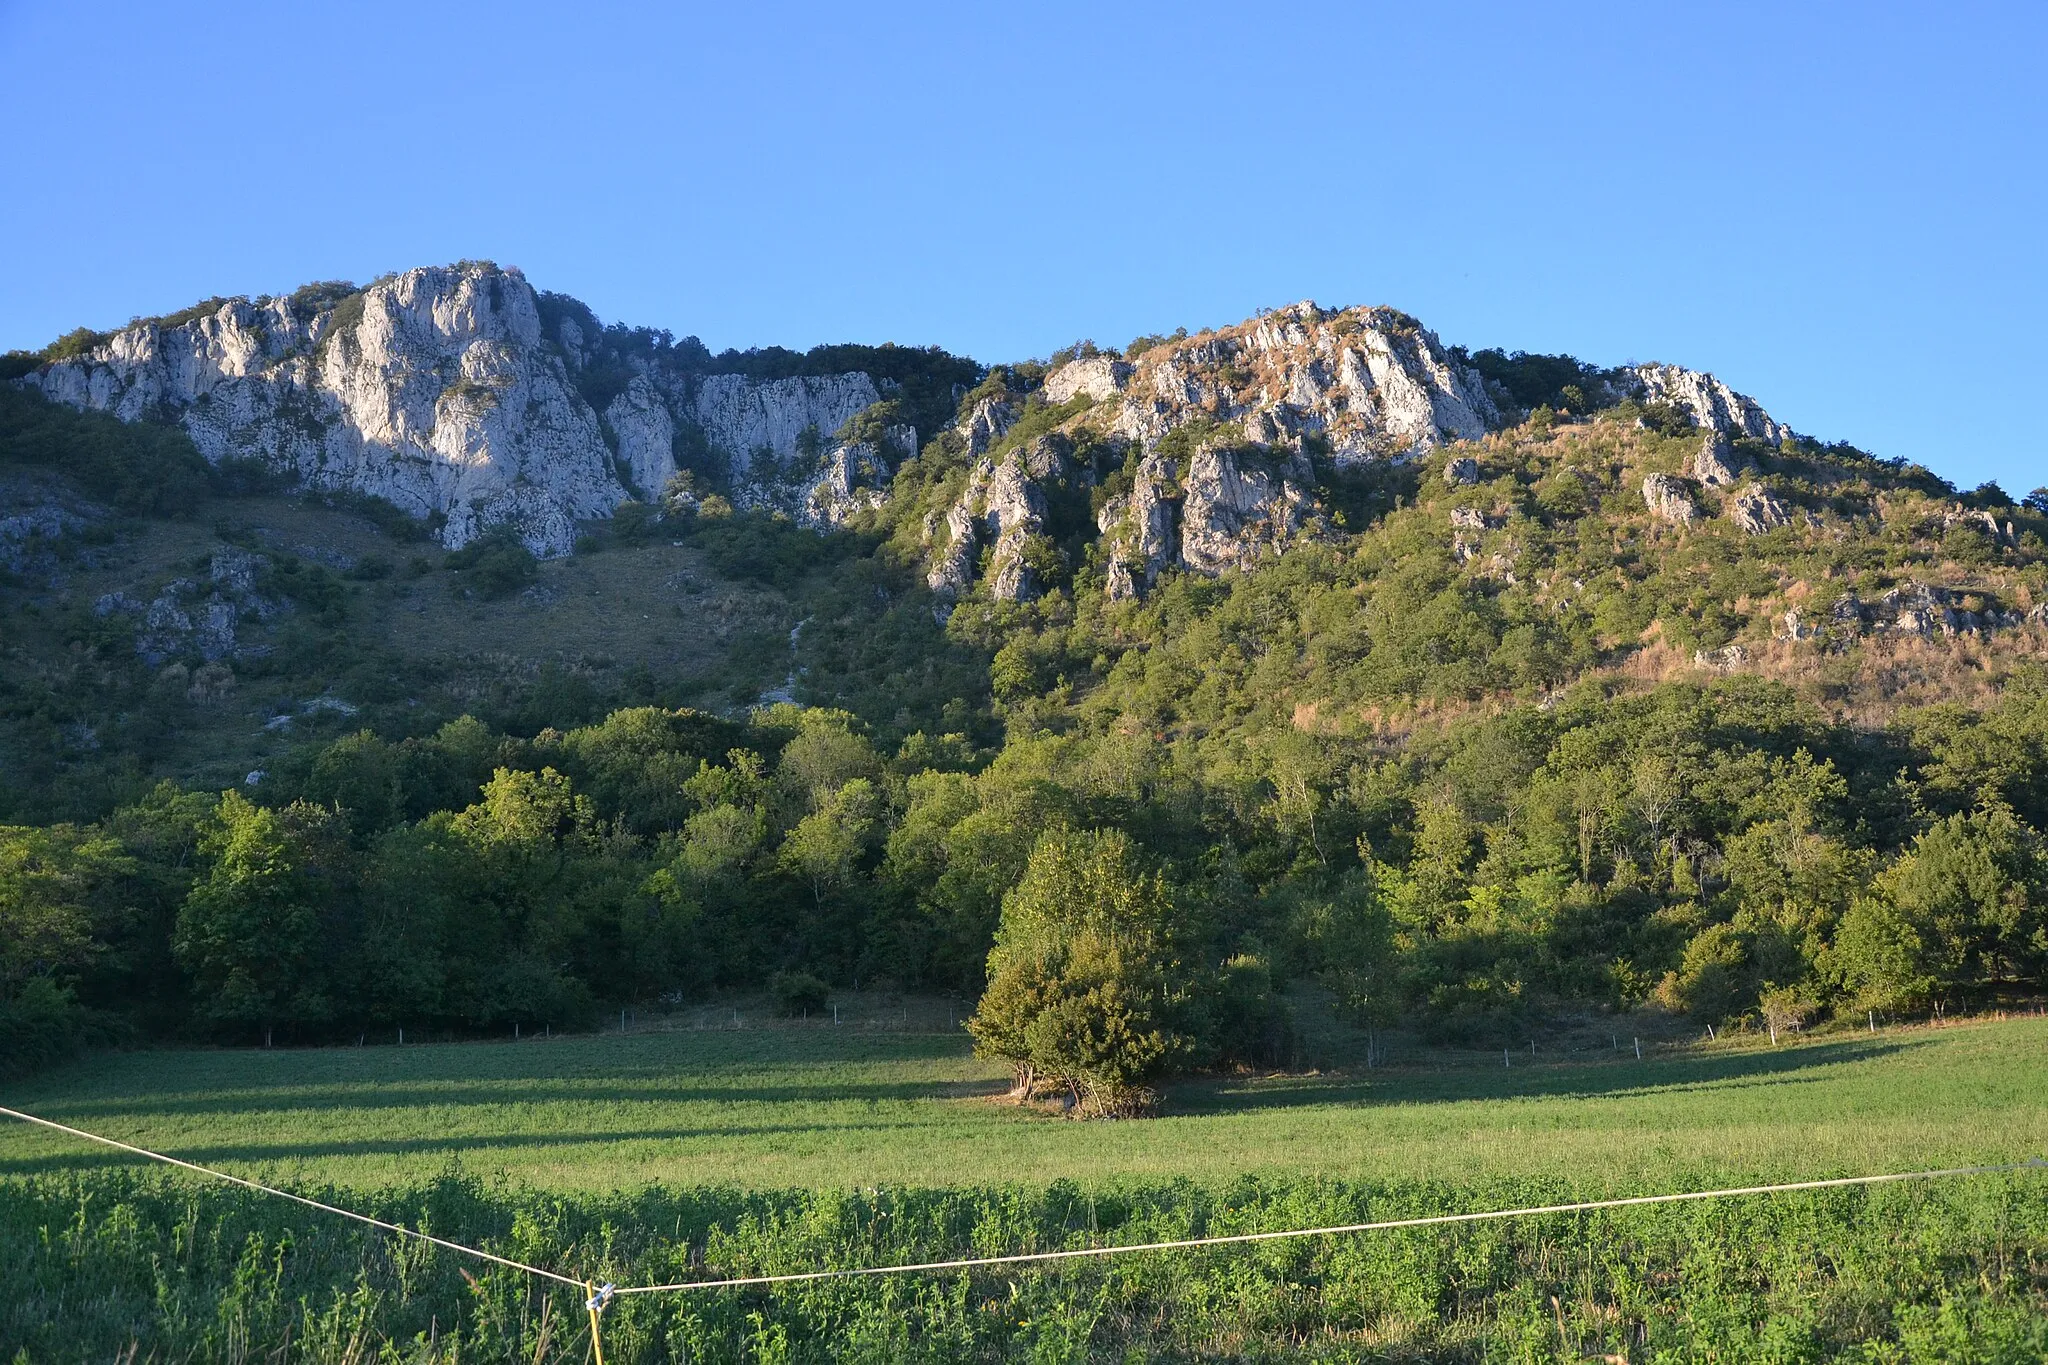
(135, 1265)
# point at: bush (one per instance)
(497, 564)
(798, 993)
(43, 1024)
(141, 468)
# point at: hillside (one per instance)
(553, 667)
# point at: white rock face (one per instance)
(1756, 510)
(1715, 464)
(435, 390)
(1099, 377)
(744, 417)
(986, 424)
(1140, 527)
(1668, 499)
(640, 422)
(1371, 382)
(1710, 403)
(1238, 508)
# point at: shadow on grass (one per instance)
(368, 1101)
(665, 1069)
(1581, 1080)
(245, 1154)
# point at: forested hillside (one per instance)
(1594, 712)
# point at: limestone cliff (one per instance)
(1269, 398)
(1368, 382)
(437, 390)
(1711, 404)
(467, 399)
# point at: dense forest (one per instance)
(1483, 756)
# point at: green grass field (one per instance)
(652, 1157)
(782, 1108)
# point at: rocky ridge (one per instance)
(441, 391)
(458, 395)
(1275, 406)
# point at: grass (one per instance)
(818, 1107)
(657, 1156)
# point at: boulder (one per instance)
(1668, 499)
(1756, 510)
(1715, 464)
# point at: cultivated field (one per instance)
(776, 1108)
(664, 1155)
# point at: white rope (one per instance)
(300, 1199)
(600, 1296)
(1431, 1221)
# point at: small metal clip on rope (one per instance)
(600, 1295)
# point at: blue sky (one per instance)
(1838, 208)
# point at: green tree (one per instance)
(1086, 985)
(824, 847)
(1958, 914)
(250, 932)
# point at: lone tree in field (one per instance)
(1085, 988)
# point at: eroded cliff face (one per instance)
(1712, 405)
(1269, 398)
(455, 394)
(1266, 411)
(1369, 382)
(437, 390)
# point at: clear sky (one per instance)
(1838, 208)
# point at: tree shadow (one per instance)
(1565, 1080)
(666, 1069)
(259, 1153)
(489, 1094)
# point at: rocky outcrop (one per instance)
(1235, 507)
(1711, 404)
(199, 617)
(1140, 528)
(762, 427)
(643, 432)
(1756, 510)
(436, 390)
(1270, 398)
(1238, 507)
(38, 516)
(1978, 519)
(1668, 499)
(854, 478)
(1366, 383)
(1461, 473)
(988, 421)
(1099, 377)
(1715, 464)
(1001, 508)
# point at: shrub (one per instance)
(497, 563)
(143, 468)
(798, 993)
